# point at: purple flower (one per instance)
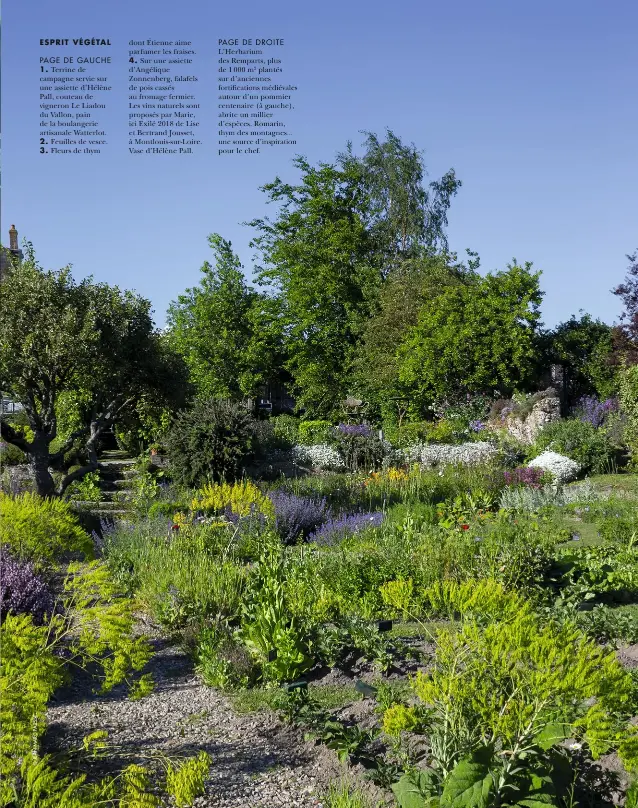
(357, 430)
(593, 411)
(297, 516)
(21, 590)
(477, 425)
(337, 528)
(524, 476)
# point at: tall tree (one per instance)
(336, 237)
(474, 337)
(407, 289)
(582, 346)
(404, 214)
(316, 258)
(625, 336)
(87, 339)
(223, 330)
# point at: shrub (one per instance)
(240, 498)
(628, 379)
(212, 440)
(580, 441)
(562, 468)
(11, 456)
(524, 476)
(466, 454)
(40, 530)
(296, 517)
(407, 434)
(592, 411)
(509, 697)
(336, 529)
(318, 456)
(314, 432)
(359, 447)
(22, 591)
(286, 429)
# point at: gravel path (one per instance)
(257, 762)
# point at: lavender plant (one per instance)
(337, 528)
(297, 516)
(21, 590)
(595, 412)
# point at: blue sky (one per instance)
(533, 104)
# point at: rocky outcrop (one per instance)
(524, 422)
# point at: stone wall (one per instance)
(545, 410)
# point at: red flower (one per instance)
(175, 527)
(465, 527)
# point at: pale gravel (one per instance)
(256, 761)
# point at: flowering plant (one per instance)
(595, 412)
(359, 430)
(466, 453)
(21, 590)
(319, 456)
(336, 529)
(297, 516)
(562, 468)
(524, 476)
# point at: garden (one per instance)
(415, 587)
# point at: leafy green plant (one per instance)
(212, 440)
(579, 440)
(314, 432)
(86, 489)
(41, 530)
(268, 627)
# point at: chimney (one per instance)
(13, 238)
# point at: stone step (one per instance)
(116, 474)
(97, 507)
(115, 483)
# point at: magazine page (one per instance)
(319, 405)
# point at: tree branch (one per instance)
(8, 433)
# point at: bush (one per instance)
(22, 591)
(11, 456)
(212, 440)
(286, 429)
(40, 530)
(314, 432)
(359, 447)
(297, 517)
(563, 469)
(580, 441)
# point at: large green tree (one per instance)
(336, 237)
(86, 341)
(411, 284)
(474, 337)
(583, 346)
(227, 333)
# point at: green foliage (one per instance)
(628, 384)
(588, 445)
(316, 257)
(93, 625)
(475, 336)
(86, 489)
(212, 328)
(223, 661)
(286, 429)
(313, 432)
(583, 346)
(11, 455)
(179, 578)
(508, 696)
(212, 440)
(41, 530)
(268, 626)
(185, 780)
(87, 340)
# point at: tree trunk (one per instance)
(39, 462)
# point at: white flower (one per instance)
(434, 454)
(563, 469)
(320, 456)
